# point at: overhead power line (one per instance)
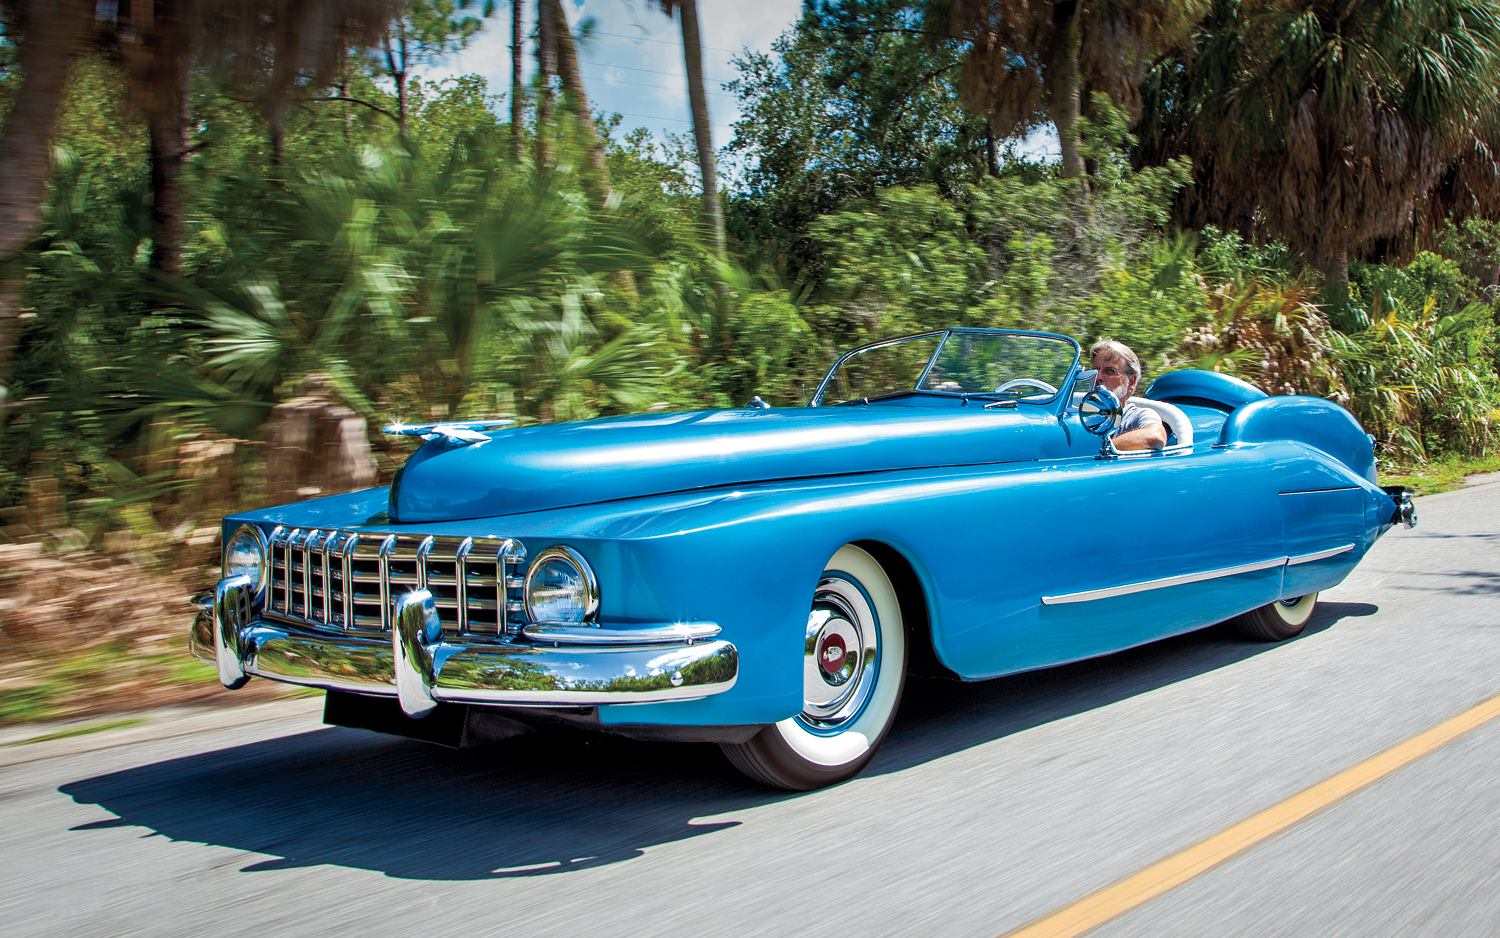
(656, 71)
(660, 42)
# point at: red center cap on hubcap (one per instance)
(831, 655)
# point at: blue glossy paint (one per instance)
(730, 516)
(558, 465)
(1192, 385)
(1313, 420)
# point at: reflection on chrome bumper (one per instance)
(421, 669)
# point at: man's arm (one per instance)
(1141, 428)
(1152, 437)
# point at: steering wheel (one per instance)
(1022, 382)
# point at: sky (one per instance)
(632, 61)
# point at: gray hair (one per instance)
(1121, 351)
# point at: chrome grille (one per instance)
(351, 580)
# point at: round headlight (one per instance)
(560, 587)
(245, 552)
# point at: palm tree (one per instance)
(1331, 124)
(597, 180)
(692, 58)
(517, 100)
(51, 36)
(265, 50)
(1030, 61)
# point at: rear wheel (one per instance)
(853, 670)
(1278, 621)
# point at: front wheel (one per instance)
(853, 670)
(1278, 621)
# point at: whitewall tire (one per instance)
(853, 670)
(1278, 621)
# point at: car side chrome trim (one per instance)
(1142, 586)
(569, 634)
(1339, 488)
(1125, 589)
(1319, 555)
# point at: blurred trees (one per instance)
(263, 49)
(692, 64)
(303, 247)
(423, 33)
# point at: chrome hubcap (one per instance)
(839, 654)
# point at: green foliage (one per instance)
(1422, 379)
(904, 263)
(855, 98)
(1020, 250)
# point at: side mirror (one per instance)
(1099, 411)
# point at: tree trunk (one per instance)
(1335, 269)
(517, 99)
(167, 124)
(991, 152)
(54, 34)
(396, 66)
(276, 136)
(546, 61)
(1065, 89)
(692, 54)
(596, 180)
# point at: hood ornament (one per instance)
(451, 432)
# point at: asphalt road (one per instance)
(991, 806)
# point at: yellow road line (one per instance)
(1132, 891)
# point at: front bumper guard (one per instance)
(420, 669)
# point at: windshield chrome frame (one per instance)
(1058, 400)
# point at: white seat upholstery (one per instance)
(1177, 422)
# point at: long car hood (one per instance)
(562, 465)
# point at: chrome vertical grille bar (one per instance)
(291, 540)
(461, 581)
(328, 580)
(347, 557)
(387, 547)
(308, 544)
(510, 614)
(273, 543)
(423, 550)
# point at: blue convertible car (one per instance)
(765, 577)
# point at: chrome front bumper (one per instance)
(421, 670)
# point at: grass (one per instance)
(82, 729)
(1440, 475)
(39, 701)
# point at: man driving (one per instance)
(1120, 371)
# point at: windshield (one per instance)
(1023, 367)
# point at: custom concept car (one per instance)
(765, 577)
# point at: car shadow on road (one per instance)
(560, 802)
(942, 717)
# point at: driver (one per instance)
(1120, 371)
